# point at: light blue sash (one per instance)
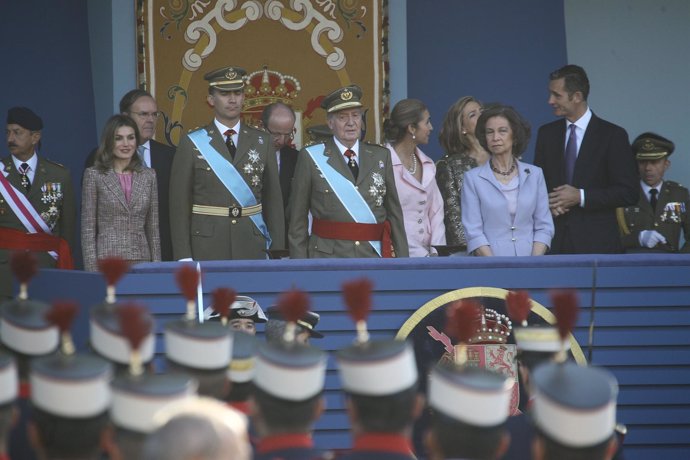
(231, 179)
(345, 191)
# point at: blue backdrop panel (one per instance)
(47, 67)
(494, 50)
(641, 315)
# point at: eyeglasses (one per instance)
(153, 115)
(277, 135)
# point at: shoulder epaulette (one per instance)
(54, 163)
(375, 144)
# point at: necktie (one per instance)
(141, 151)
(229, 143)
(570, 154)
(24, 171)
(351, 163)
(652, 197)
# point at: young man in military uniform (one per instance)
(349, 188)
(655, 223)
(37, 207)
(225, 197)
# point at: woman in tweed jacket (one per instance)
(463, 153)
(119, 215)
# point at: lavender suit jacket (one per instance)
(486, 218)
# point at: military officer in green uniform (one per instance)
(349, 189)
(36, 199)
(656, 222)
(225, 196)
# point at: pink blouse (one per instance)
(422, 205)
(126, 183)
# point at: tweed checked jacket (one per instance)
(112, 227)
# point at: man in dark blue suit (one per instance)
(142, 107)
(588, 166)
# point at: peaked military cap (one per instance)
(9, 382)
(137, 399)
(227, 78)
(25, 118)
(205, 346)
(343, 98)
(76, 385)
(242, 365)
(24, 329)
(471, 395)
(107, 338)
(574, 405)
(651, 146)
(289, 370)
(377, 367)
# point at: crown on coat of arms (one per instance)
(268, 86)
(494, 328)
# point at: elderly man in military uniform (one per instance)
(349, 188)
(225, 197)
(36, 200)
(655, 223)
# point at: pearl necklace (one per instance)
(502, 173)
(413, 169)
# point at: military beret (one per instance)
(651, 146)
(227, 78)
(25, 118)
(343, 98)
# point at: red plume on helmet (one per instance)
(463, 320)
(187, 280)
(113, 269)
(62, 315)
(357, 296)
(518, 305)
(566, 309)
(223, 298)
(24, 265)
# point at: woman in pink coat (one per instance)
(415, 177)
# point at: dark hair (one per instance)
(283, 416)
(554, 450)
(451, 138)
(68, 437)
(385, 414)
(519, 126)
(6, 416)
(575, 79)
(268, 110)
(129, 443)
(131, 97)
(213, 383)
(405, 113)
(240, 392)
(104, 153)
(531, 359)
(460, 440)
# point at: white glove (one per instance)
(650, 238)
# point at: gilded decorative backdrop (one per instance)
(295, 51)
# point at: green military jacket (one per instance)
(670, 219)
(193, 182)
(52, 195)
(311, 194)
